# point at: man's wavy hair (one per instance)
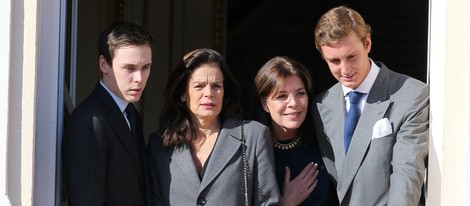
(338, 23)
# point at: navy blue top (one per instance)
(296, 159)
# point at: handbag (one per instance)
(246, 169)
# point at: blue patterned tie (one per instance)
(351, 118)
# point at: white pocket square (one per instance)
(382, 128)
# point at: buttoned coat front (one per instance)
(175, 181)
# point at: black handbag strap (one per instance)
(245, 166)
(246, 169)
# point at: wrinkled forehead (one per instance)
(207, 73)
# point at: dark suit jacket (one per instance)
(100, 160)
(385, 169)
(178, 182)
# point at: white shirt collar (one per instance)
(122, 104)
(366, 85)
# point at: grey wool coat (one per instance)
(175, 181)
(386, 169)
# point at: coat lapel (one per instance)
(184, 161)
(226, 147)
(332, 114)
(120, 127)
(376, 107)
(360, 144)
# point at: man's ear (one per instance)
(368, 43)
(104, 66)
(321, 53)
(265, 106)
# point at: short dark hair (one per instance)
(176, 124)
(121, 34)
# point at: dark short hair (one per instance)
(121, 34)
(175, 120)
(270, 78)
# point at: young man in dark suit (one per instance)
(379, 156)
(103, 148)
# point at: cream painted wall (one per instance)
(21, 104)
(5, 27)
(449, 60)
(28, 99)
(26, 118)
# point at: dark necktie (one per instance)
(351, 118)
(136, 128)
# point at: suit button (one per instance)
(201, 201)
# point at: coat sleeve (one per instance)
(84, 151)
(410, 152)
(263, 173)
(153, 151)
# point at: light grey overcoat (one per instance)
(175, 180)
(386, 170)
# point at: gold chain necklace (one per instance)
(296, 141)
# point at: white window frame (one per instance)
(49, 100)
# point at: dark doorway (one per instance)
(259, 30)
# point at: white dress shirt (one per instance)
(122, 104)
(364, 87)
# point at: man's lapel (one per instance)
(376, 107)
(332, 111)
(119, 127)
(360, 144)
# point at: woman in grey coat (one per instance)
(203, 153)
